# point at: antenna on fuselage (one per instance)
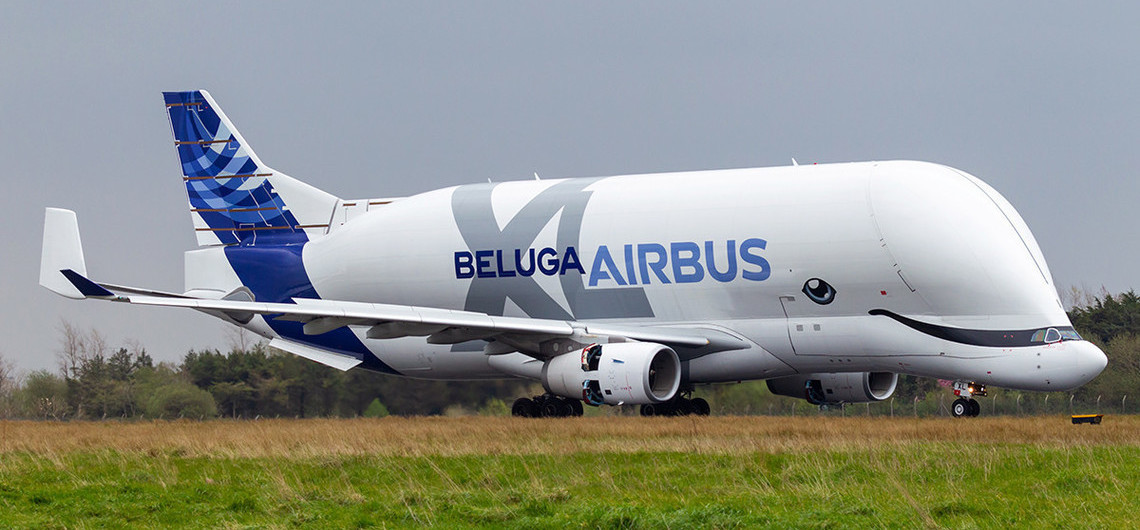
(794, 163)
(536, 176)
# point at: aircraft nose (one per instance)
(1090, 360)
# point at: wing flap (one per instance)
(327, 358)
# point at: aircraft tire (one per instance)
(975, 408)
(551, 407)
(960, 408)
(683, 407)
(648, 410)
(524, 408)
(576, 406)
(701, 407)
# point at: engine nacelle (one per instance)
(631, 373)
(822, 389)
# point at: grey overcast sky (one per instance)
(387, 99)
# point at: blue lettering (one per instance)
(630, 272)
(603, 258)
(570, 261)
(682, 258)
(499, 263)
(691, 261)
(523, 271)
(658, 266)
(463, 265)
(483, 263)
(754, 259)
(549, 266)
(728, 275)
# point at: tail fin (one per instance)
(234, 197)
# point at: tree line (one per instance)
(97, 381)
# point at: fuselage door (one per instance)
(812, 334)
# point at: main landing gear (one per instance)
(546, 406)
(551, 406)
(678, 406)
(966, 405)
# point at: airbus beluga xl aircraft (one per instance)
(825, 280)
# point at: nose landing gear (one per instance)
(966, 405)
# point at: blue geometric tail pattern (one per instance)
(227, 184)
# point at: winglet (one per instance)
(62, 251)
(89, 288)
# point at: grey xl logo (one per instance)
(473, 213)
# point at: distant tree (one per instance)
(237, 399)
(43, 396)
(495, 407)
(1108, 316)
(181, 400)
(376, 409)
(8, 388)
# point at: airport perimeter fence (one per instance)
(996, 403)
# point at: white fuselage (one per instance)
(921, 241)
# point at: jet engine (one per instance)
(631, 373)
(824, 389)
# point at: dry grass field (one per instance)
(439, 436)
(612, 472)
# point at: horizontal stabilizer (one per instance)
(62, 250)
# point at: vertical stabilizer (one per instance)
(234, 197)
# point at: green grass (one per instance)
(917, 484)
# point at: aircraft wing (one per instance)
(532, 336)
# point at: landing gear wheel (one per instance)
(682, 407)
(576, 407)
(960, 408)
(975, 408)
(648, 410)
(551, 407)
(524, 408)
(701, 407)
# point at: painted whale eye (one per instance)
(819, 291)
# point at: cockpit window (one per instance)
(1051, 335)
(1069, 334)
